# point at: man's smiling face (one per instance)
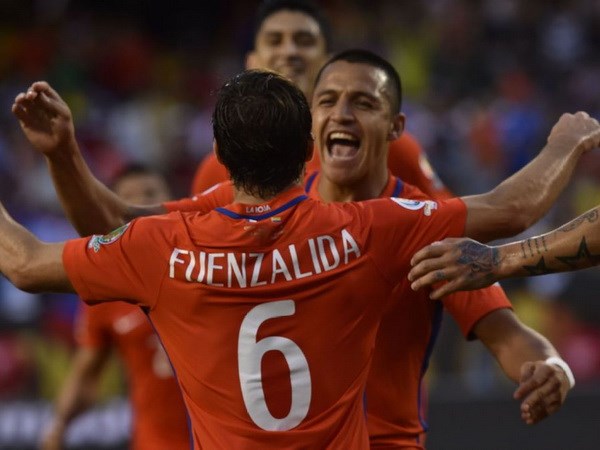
(353, 121)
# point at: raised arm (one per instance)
(466, 264)
(77, 394)
(47, 123)
(521, 200)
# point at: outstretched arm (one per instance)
(466, 264)
(521, 200)
(523, 356)
(77, 394)
(47, 123)
(28, 263)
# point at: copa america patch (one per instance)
(414, 205)
(97, 240)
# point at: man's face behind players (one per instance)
(290, 43)
(353, 122)
(142, 189)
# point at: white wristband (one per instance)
(559, 362)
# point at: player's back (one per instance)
(297, 304)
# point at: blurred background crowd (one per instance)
(484, 81)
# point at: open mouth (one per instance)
(342, 146)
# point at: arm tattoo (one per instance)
(539, 269)
(480, 258)
(590, 216)
(582, 257)
(529, 245)
(537, 246)
(544, 243)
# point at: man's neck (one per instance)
(363, 190)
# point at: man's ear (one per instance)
(396, 127)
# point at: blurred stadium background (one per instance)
(484, 81)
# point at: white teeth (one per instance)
(341, 135)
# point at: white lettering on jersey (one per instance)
(241, 270)
(258, 209)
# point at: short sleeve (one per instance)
(128, 264)
(468, 307)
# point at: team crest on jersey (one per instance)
(97, 240)
(414, 205)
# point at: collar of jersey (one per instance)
(393, 188)
(277, 205)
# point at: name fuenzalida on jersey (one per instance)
(251, 269)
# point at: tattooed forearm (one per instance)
(537, 246)
(539, 269)
(582, 258)
(544, 243)
(590, 217)
(529, 246)
(480, 258)
(536, 242)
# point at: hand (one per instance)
(464, 264)
(542, 389)
(44, 118)
(576, 131)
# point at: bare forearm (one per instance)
(511, 342)
(575, 245)
(526, 346)
(28, 263)
(524, 198)
(88, 204)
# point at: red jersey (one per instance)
(394, 392)
(268, 312)
(159, 416)
(406, 160)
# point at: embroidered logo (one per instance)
(97, 240)
(414, 205)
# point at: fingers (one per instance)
(40, 101)
(433, 250)
(526, 384)
(541, 391)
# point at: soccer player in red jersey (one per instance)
(507, 197)
(159, 418)
(468, 264)
(293, 38)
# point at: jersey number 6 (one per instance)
(250, 354)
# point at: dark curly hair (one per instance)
(262, 126)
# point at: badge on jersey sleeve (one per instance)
(414, 205)
(97, 240)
